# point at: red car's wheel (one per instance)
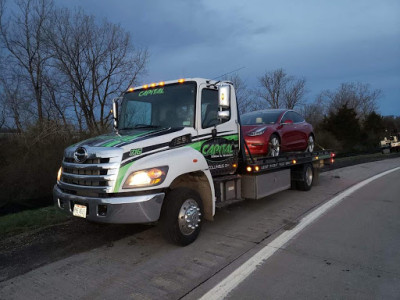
(311, 144)
(274, 145)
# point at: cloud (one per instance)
(328, 42)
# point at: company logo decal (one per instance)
(217, 149)
(151, 92)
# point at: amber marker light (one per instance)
(294, 161)
(316, 157)
(162, 83)
(248, 169)
(195, 160)
(146, 86)
(153, 85)
(181, 80)
(234, 165)
(59, 174)
(257, 168)
(332, 160)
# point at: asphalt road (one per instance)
(352, 252)
(144, 266)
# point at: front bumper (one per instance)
(131, 209)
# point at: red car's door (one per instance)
(302, 131)
(287, 131)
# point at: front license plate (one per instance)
(79, 211)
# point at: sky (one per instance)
(326, 42)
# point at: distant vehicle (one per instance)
(273, 131)
(390, 144)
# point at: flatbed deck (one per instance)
(259, 164)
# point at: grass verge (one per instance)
(30, 220)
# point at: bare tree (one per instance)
(246, 99)
(57, 102)
(314, 112)
(273, 84)
(97, 59)
(23, 37)
(279, 89)
(294, 92)
(356, 95)
(15, 104)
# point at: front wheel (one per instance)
(181, 216)
(311, 144)
(274, 146)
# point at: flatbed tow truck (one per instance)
(177, 152)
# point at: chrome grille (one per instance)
(97, 173)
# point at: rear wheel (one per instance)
(306, 177)
(274, 145)
(181, 216)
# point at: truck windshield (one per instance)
(167, 106)
(260, 117)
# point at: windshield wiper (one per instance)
(146, 126)
(139, 126)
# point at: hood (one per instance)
(124, 138)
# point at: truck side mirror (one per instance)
(115, 112)
(224, 115)
(224, 96)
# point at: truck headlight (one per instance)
(147, 177)
(59, 174)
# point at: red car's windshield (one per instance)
(260, 118)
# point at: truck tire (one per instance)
(181, 216)
(307, 177)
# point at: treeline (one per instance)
(59, 70)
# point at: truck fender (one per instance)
(186, 168)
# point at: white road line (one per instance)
(222, 289)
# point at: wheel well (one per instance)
(277, 134)
(198, 182)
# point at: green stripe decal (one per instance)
(125, 139)
(197, 145)
(121, 175)
(233, 137)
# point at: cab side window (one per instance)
(209, 108)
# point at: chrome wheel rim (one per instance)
(309, 176)
(310, 147)
(189, 217)
(274, 147)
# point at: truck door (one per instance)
(218, 140)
